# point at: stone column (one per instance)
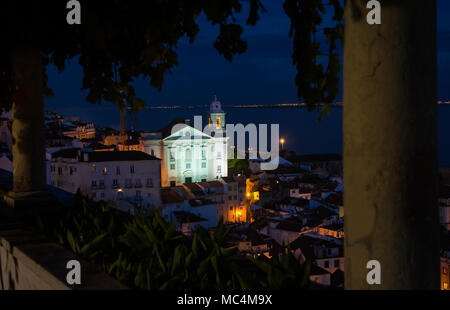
(390, 145)
(29, 175)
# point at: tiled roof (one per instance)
(66, 153)
(168, 195)
(290, 224)
(317, 271)
(187, 217)
(118, 156)
(229, 179)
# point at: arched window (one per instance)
(188, 155)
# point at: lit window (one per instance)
(218, 123)
(105, 171)
(93, 168)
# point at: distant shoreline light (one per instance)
(253, 106)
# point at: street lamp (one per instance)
(282, 143)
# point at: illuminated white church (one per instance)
(188, 154)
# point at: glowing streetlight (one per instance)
(282, 143)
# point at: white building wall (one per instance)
(92, 180)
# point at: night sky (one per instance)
(262, 75)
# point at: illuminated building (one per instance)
(188, 154)
(84, 131)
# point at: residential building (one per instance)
(129, 176)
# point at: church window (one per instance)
(188, 166)
(172, 166)
(188, 155)
(203, 165)
(105, 170)
(218, 123)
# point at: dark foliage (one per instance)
(145, 252)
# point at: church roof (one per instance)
(167, 130)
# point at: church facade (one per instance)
(188, 154)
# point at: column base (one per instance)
(29, 203)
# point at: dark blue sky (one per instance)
(263, 75)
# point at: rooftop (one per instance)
(187, 217)
(118, 156)
(168, 195)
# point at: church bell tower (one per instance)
(216, 119)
